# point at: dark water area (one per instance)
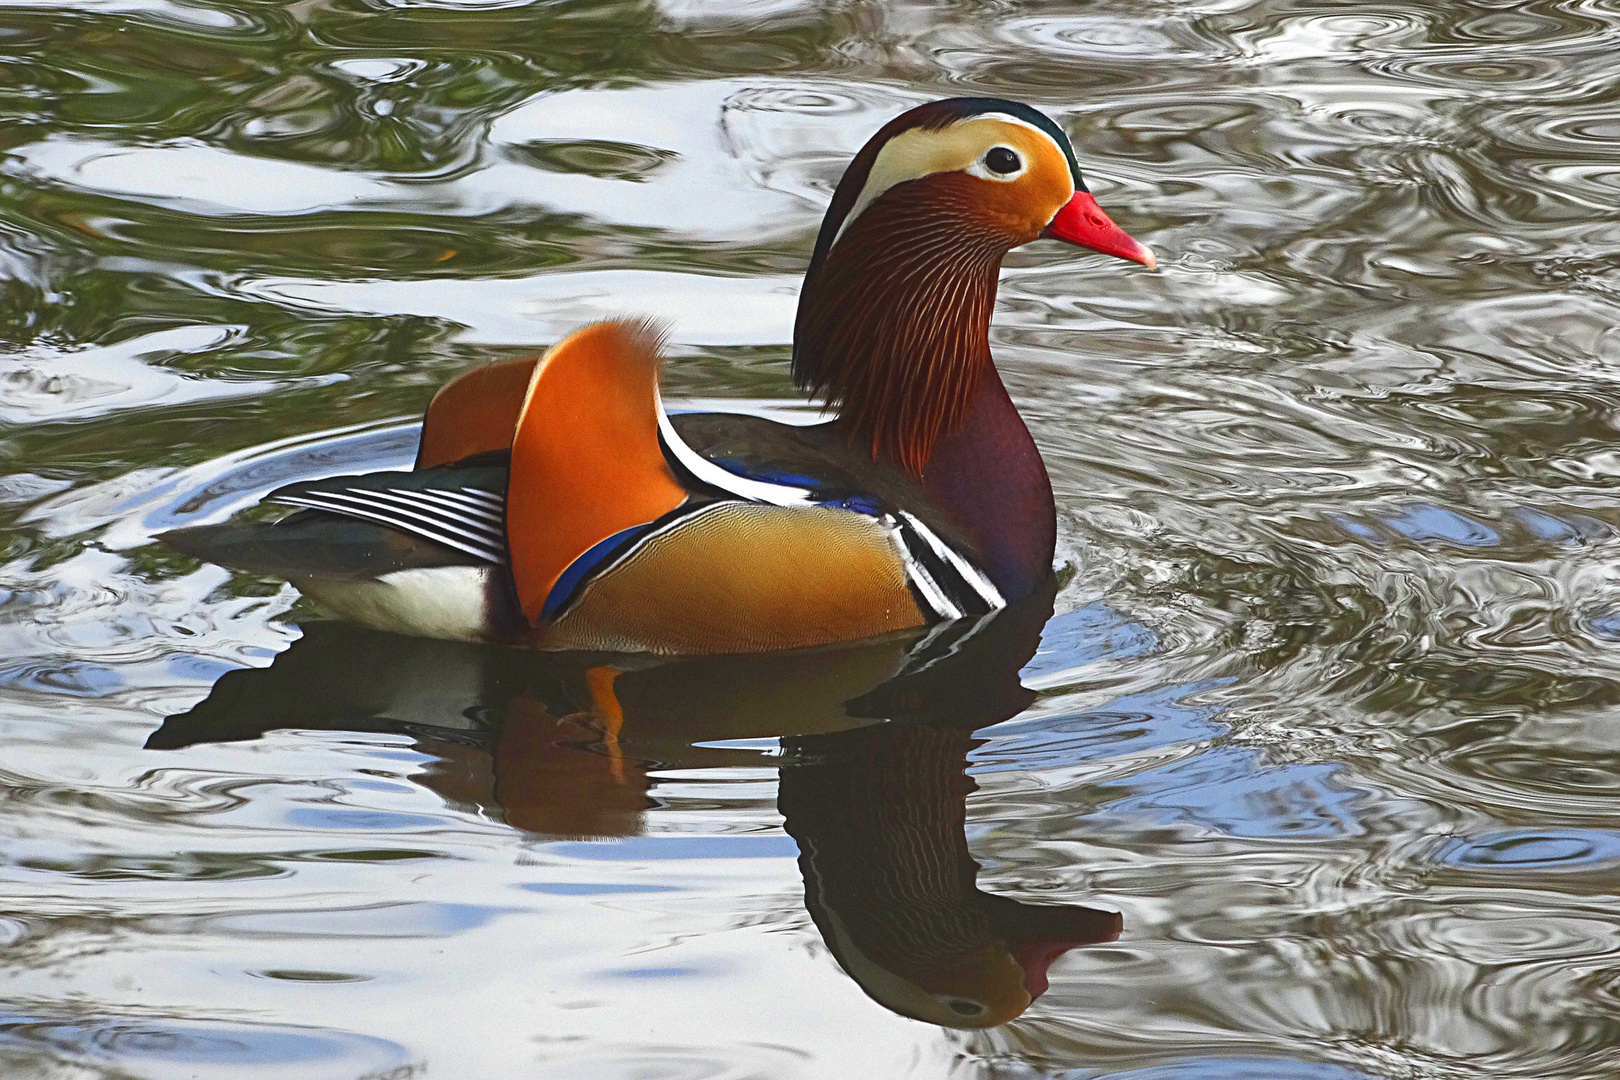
(1324, 710)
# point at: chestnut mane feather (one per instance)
(893, 332)
(893, 323)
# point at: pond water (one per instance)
(1325, 710)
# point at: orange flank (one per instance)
(745, 577)
(586, 462)
(475, 412)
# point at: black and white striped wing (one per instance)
(950, 585)
(463, 509)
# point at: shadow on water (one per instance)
(873, 785)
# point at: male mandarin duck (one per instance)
(555, 503)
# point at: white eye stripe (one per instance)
(1009, 118)
(914, 154)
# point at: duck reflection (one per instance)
(879, 817)
(873, 787)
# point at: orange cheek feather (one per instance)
(1042, 191)
(1022, 208)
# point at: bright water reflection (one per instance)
(1325, 712)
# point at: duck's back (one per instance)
(607, 524)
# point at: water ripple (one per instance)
(1326, 712)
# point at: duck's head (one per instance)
(894, 317)
(996, 171)
(977, 984)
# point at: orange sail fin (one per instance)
(475, 412)
(586, 460)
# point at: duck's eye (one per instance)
(1003, 160)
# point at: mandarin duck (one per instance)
(555, 502)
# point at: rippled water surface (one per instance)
(1326, 712)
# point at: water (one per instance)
(1324, 713)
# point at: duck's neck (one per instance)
(988, 477)
(894, 319)
(894, 332)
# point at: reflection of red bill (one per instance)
(1035, 957)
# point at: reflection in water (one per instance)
(874, 788)
(879, 815)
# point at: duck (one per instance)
(556, 503)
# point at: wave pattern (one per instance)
(1328, 714)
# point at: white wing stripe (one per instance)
(430, 513)
(463, 498)
(479, 534)
(713, 475)
(315, 503)
(970, 573)
(410, 501)
(477, 510)
(489, 498)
